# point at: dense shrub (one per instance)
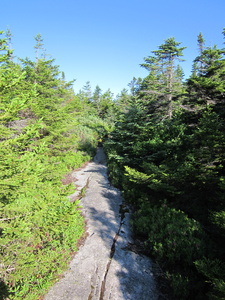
(171, 235)
(46, 132)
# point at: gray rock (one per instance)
(104, 267)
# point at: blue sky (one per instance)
(105, 41)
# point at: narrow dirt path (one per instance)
(105, 267)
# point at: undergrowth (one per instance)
(45, 134)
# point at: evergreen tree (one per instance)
(162, 69)
(206, 85)
(97, 94)
(45, 132)
(97, 97)
(86, 92)
(135, 85)
(172, 170)
(43, 77)
(9, 43)
(5, 52)
(106, 106)
(201, 43)
(38, 46)
(223, 32)
(124, 100)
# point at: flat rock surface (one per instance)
(105, 267)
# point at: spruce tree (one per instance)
(38, 46)
(206, 85)
(87, 92)
(135, 85)
(162, 72)
(201, 43)
(5, 52)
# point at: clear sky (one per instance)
(104, 41)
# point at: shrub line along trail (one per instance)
(104, 267)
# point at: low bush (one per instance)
(171, 234)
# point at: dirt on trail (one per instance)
(106, 265)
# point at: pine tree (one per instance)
(5, 52)
(206, 85)
(135, 85)
(97, 95)
(223, 32)
(38, 46)
(87, 92)
(124, 100)
(201, 43)
(106, 106)
(9, 43)
(162, 72)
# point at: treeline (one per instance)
(167, 154)
(46, 131)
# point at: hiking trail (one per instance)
(106, 266)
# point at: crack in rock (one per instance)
(113, 247)
(101, 269)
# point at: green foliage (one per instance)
(170, 233)
(166, 152)
(218, 218)
(214, 272)
(5, 53)
(136, 176)
(180, 284)
(165, 77)
(103, 104)
(38, 235)
(172, 170)
(46, 131)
